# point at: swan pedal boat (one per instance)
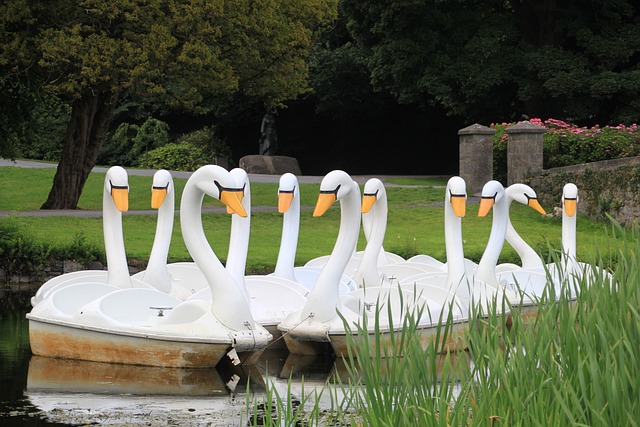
(320, 325)
(104, 323)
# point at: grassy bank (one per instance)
(414, 224)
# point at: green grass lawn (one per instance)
(415, 224)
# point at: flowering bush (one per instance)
(567, 144)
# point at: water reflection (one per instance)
(44, 391)
(78, 376)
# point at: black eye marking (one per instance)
(334, 191)
(288, 191)
(158, 187)
(221, 188)
(490, 197)
(117, 187)
(373, 194)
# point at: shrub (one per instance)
(79, 250)
(208, 141)
(567, 144)
(192, 150)
(129, 142)
(19, 253)
(179, 157)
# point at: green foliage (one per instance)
(80, 250)
(20, 254)
(179, 157)
(207, 140)
(567, 144)
(130, 141)
(492, 59)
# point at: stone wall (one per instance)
(56, 268)
(606, 187)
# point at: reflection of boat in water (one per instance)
(80, 392)
(79, 376)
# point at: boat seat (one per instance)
(70, 298)
(137, 305)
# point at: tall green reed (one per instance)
(576, 363)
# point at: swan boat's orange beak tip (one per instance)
(459, 205)
(284, 200)
(485, 206)
(533, 203)
(368, 200)
(233, 201)
(570, 206)
(120, 198)
(239, 195)
(325, 200)
(157, 197)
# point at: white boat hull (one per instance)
(66, 341)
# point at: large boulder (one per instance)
(270, 165)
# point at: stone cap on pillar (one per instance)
(476, 129)
(525, 127)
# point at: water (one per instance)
(39, 391)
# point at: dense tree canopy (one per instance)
(175, 53)
(493, 59)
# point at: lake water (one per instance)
(39, 391)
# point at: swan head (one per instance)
(217, 182)
(492, 193)
(334, 186)
(162, 185)
(570, 199)
(287, 191)
(116, 184)
(373, 189)
(457, 195)
(524, 194)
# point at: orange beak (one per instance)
(233, 201)
(120, 198)
(485, 206)
(368, 200)
(157, 197)
(535, 205)
(325, 200)
(284, 200)
(459, 204)
(239, 196)
(570, 206)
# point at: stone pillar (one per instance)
(476, 156)
(524, 151)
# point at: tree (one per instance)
(174, 53)
(492, 59)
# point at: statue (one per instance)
(269, 138)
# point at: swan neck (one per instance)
(487, 267)
(324, 298)
(117, 266)
(228, 304)
(156, 273)
(367, 273)
(528, 257)
(289, 241)
(453, 247)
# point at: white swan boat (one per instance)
(100, 322)
(114, 201)
(321, 321)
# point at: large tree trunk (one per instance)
(88, 125)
